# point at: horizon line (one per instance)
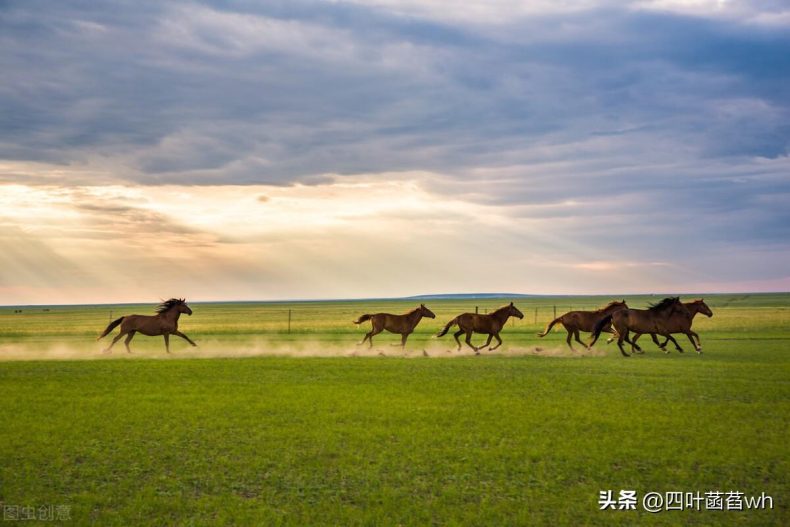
(436, 296)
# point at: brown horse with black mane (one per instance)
(576, 321)
(651, 320)
(165, 323)
(490, 324)
(679, 322)
(401, 324)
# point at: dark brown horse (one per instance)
(490, 324)
(651, 320)
(165, 323)
(679, 322)
(401, 324)
(576, 321)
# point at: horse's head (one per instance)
(426, 312)
(514, 312)
(184, 308)
(702, 307)
(179, 304)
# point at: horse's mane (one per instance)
(497, 310)
(610, 304)
(167, 304)
(664, 304)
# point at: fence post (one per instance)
(110, 315)
(475, 310)
(536, 315)
(555, 311)
(289, 321)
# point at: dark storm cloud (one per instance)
(604, 104)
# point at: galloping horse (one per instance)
(679, 322)
(651, 320)
(490, 324)
(165, 323)
(401, 324)
(575, 321)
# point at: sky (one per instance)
(240, 150)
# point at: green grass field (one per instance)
(312, 436)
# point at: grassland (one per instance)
(518, 437)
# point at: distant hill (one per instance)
(469, 296)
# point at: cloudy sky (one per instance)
(324, 149)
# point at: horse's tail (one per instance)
(551, 325)
(447, 327)
(363, 318)
(596, 332)
(112, 326)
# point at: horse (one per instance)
(165, 323)
(680, 323)
(401, 324)
(651, 320)
(576, 321)
(490, 324)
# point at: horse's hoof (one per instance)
(425, 353)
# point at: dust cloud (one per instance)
(261, 347)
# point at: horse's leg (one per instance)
(184, 337)
(634, 346)
(696, 347)
(456, 335)
(366, 337)
(496, 335)
(610, 329)
(167, 341)
(699, 342)
(568, 340)
(675, 342)
(620, 339)
(469, 342)
(488, 342)
(577, 339)
(403, 338)
(632, 342)
(657, 343)
(116, 339)
(128, 340)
